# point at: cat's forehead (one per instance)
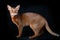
(12, 8)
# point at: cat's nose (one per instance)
(13, 11)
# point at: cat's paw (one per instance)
(18, 36)
(30, 37)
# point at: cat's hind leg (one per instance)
(36, 29)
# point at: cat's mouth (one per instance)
(13, 14)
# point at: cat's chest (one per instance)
(15, 19)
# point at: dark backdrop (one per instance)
(8, 30)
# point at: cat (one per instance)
(34, 20)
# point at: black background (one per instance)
(8, 32)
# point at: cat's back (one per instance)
(31, 15)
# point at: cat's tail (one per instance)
(49, 30)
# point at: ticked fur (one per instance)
(34, 20)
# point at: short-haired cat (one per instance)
(34, 20)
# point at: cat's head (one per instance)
(13, 10)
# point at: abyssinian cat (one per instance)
(34, 20)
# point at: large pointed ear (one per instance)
(17, 7)
(9, 7)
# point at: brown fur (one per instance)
(34, 20)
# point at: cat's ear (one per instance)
(17, 7)
(9, 7)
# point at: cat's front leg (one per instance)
(20, 28)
